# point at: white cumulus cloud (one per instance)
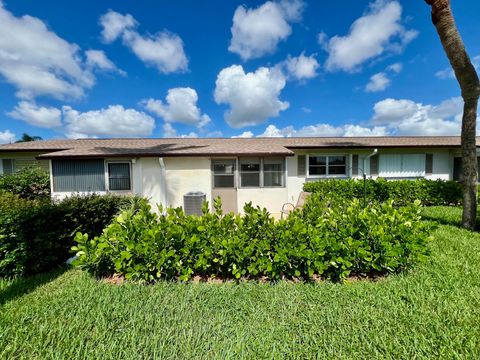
(170, 132)
(245, 134)
(37, 61)
(323, 130)
(406, 117)
(112, 121)
(164, 50)
(252, 97)
(97, 59)
(114, 24)
(378, 82)
(301, 67)
(180, 106)
(379, 30)
(257, 32)
(47, 117)
(7, 137)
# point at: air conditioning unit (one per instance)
(193, 202)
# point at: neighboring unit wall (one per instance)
(23, 160)
(135, 181)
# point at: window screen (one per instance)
(223, 173)
(250, 172)
(273, 172)
(119, 176)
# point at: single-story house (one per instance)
(266, 171)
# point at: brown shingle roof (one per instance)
(217, 147)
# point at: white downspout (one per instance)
(163, 172)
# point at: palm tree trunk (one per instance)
(467, 78)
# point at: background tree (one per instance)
(444, 22)
(26, 138)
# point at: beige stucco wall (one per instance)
(185, 174)
(150, 186)
(270, 198)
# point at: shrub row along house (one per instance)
(269, 172)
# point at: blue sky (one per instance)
(226, 68)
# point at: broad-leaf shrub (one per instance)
(402, 192)
(333, 240)
(31, 183)
(36, 236)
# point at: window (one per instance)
(223, 173)
(334, 165)
(8, 166)
(273, 172)
(401, 165)
(78, 175)
(119, 176)
(250, 172)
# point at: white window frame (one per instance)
(107, 175)
(327, 175)
(235, 172)
(262, 172)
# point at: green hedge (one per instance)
(31, 183)
(402, 192)
(330, 240)
(36, 236)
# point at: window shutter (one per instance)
(301, 165)
(374, 165)
(354, 165)
(428, 164)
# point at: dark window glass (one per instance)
(336, 170)
(223, 168)
(317, 170)
(250, 172)
(318, 160)
(327, 165)
(336, 160)
(223, 181)
(119, 176)
(224, 173)
(250, 167)
(250, 180)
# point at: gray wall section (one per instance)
(78, 175)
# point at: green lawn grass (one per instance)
(431, 312)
